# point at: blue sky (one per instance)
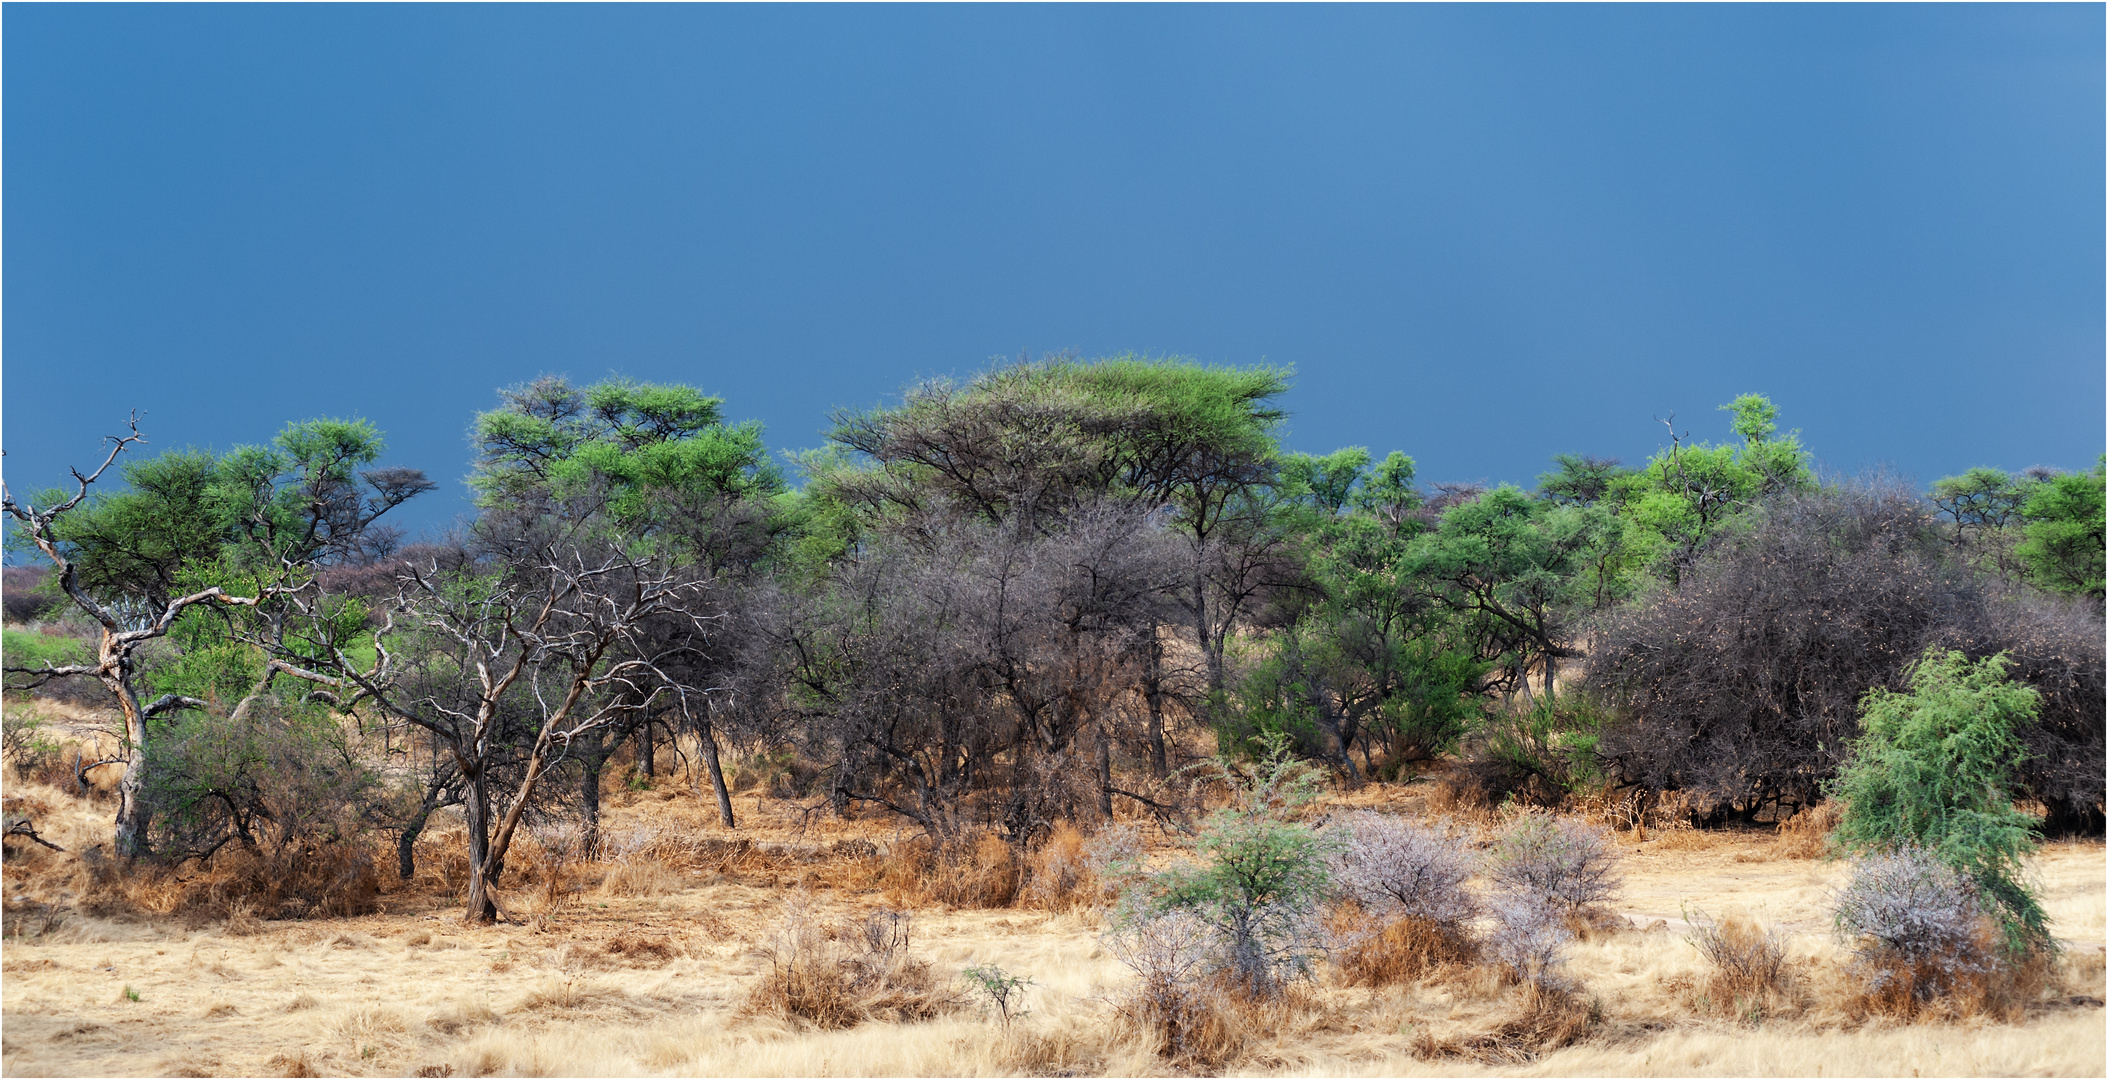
(1483, 235)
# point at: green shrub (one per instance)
(1935, 769)
(1260, 876)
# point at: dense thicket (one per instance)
(1743, 685)
(1014, 600)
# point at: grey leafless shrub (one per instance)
(1408, 907)
(1741, 686)
(1918, 927)
(1556, 861)
(1529, 938)
(1115, 854)
(1177, 998)
(1397, 869)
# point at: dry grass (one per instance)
(1806, 834)
(978, 870)
(839, 975)
(649, 963)
(1404, 951)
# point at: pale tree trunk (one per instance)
(1153, 693)
(133, 817)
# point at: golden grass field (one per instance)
(644, 967)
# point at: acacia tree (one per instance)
(1021, 447)
(127, 561)
(664, 469)
(115, 664)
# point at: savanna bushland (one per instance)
(1056, 721)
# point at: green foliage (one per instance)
(1982, 498)
(1935, 768)
(1036, 437)
(1679, 503)
(2067, 527)
(188, 518)
(1581, 480)
(271, 776)
(136, 542)
(30, 649)
(658, 459)
(213, 670)
(1514, 569)
(1756, 418)
(1552, 739)
(1260, 875)
(1003, 990)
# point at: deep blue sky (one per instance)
(1482, 235)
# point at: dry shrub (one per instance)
(1396, 868)
(1918, 929)
(1180, 1003)
(442, 861)
(1528, 939)
(641, 876)
(976, 870)
(1458, 792)
(1806, 835)
(236, 885)
(1058, 876)
(642, 951)
(842, 975)
(1402, 951)
(1557, 861)
(1545, 1019)
(1749, 964)
(295, 1063)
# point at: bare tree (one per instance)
(517, 653)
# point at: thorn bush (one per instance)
(1557, 862)
(1917, 925)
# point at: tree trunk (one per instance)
(406, 845)
(1153, 693)
(646, 761)
(1105, 773)
(133, 817)
(481, 907)
(593, 755)
(707, 736)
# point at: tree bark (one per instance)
(132, 814)
(1105, 773)
(708, 738)
(481, 907)
(1153, 693)
(406, 845)
(593, 755)
(647, 762)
